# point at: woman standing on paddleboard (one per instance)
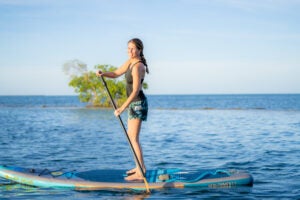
(134, 69)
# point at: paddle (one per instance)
(128, 139)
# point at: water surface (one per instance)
(257, 133)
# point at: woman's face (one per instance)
(132, 51)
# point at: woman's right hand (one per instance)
(99, 73)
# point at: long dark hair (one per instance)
(139, 45)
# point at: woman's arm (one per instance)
(115, 74)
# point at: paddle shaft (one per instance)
(125, 131)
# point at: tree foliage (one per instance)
(91, 89)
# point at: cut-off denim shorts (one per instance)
(138, 110)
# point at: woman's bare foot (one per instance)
(135, 177)
(131, 172)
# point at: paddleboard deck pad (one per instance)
(114, 179)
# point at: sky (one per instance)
(191, 46)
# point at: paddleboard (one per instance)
(113, 179)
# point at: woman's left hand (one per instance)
(118, 112)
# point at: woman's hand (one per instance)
(118, 111)
(99, 73)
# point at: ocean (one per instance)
(257, 133)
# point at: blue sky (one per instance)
(192, 46)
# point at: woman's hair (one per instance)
(139, 45)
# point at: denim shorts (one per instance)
(138, 110)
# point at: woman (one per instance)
(134, 69)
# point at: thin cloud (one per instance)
(248, 5)
(252, 5)
(24, 3)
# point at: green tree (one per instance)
(91, 89)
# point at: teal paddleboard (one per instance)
(114, 179)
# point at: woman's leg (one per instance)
(134, 127)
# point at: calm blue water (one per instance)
(257, 133)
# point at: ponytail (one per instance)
(144, 61)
